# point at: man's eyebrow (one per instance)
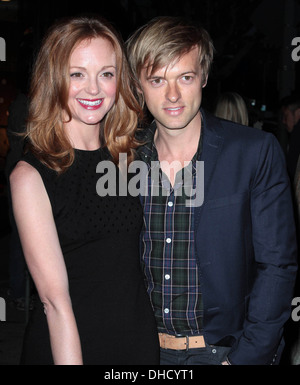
(189, 72)
(162, 77)
(154, 77)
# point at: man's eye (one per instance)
(156, 81)
(187, 78)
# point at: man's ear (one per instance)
(204, 81)
(137, 86)
(140, 94)
(297, 115)
(139, 89)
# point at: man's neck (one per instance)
(177, 144)
(176, 148)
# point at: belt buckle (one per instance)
(187, 341)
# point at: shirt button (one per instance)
(167, 276)
(167, 311)
(170, 204)
(168, 240)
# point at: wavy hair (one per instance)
(49, 90)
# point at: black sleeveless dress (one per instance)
(99, 237)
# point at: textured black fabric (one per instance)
(99, 237)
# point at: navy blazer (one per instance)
(245, 241)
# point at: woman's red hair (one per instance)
(49, 95)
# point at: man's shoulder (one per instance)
(231, 130)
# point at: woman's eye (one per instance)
(108, 75)
(76, 75)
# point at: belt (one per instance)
(168, 341)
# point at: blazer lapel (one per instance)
(213, 138)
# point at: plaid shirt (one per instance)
(168, 248)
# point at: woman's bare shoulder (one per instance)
(24, 175)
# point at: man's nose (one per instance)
(173, 93)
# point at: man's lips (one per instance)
(174, 110)
(90, 104)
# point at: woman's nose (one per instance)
(93, 87)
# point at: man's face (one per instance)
(290, 118)
(173, 93)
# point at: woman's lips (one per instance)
(90, 104)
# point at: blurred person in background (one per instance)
(231, 106)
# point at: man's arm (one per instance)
(274, 242)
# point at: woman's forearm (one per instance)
(64, 337)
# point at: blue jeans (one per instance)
(210, 355)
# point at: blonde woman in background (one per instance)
(231, 106)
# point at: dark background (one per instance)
(252, 40)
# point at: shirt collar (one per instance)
(148, 150)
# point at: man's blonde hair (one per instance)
(166, 39)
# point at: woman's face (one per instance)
(92, 81)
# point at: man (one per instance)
(290, 108)
(220, 271)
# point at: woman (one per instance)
(82, 249)
(231, 106)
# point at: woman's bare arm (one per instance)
(37, 230)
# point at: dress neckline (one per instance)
(88, 151)
(101, 152)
